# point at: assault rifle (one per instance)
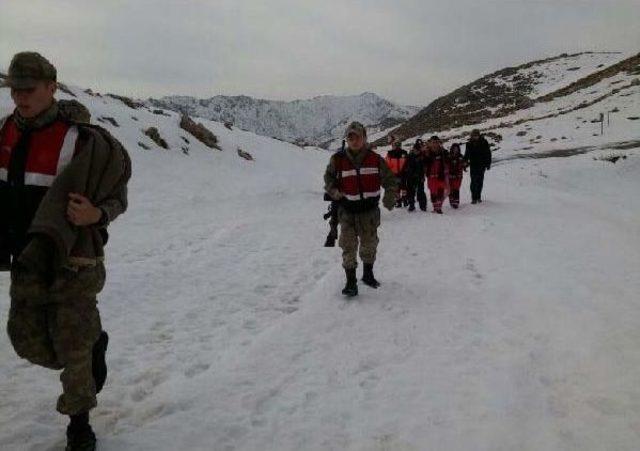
(332, 216)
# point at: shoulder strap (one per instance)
(340, 157)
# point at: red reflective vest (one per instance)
(49, 150)
(396, 164)
(359, 185)
(28, 166)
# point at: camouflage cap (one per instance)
(27, 69)
(357, 128)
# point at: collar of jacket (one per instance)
(357, 157)
(45, 118)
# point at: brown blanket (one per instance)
(100, 171)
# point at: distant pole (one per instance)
(608, 118)
(601, 124)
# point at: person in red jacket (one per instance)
(396, 160)
(437, 170)
(457, 165)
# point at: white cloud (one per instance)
(408, 50)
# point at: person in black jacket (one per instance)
(414, 170)
(478, 156)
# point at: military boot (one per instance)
(351, 288)
(367, 276)
(80, 436)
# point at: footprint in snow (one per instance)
(471, 267)
(196, 369)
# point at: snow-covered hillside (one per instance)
(546, 76)
(513, 90)
(510, 325)
(567, 122)
(317, 121)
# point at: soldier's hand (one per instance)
(335, 194)
(81, 212)
(389, 202)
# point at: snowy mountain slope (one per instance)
(569, 121)
(505, 92)
(509, 325)
(314, 121)
(554, 73)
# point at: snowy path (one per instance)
(514, 324)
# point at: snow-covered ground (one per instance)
(567, 122)
(510, 325)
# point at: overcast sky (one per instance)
(409, 51)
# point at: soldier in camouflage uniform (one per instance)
(354, 177)
(53, 320)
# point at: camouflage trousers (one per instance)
(358, 230)
(56, 326)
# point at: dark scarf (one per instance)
(45, 118)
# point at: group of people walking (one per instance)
(356, 176)
(63, 181)
(442, 170)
